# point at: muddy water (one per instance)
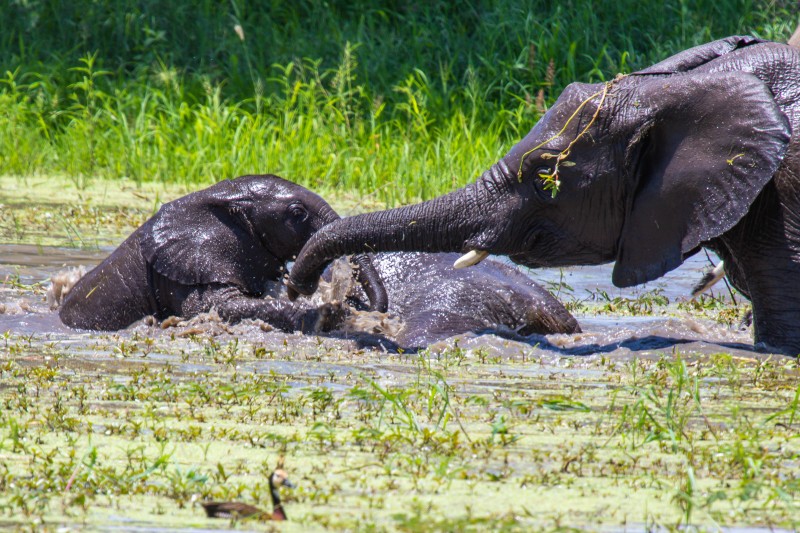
(27, 270)
(202, 357)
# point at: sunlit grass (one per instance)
(299, 135)
(391, 112)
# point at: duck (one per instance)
(279, 478)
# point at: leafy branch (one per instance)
(551, 180)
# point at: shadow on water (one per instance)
(649, 342)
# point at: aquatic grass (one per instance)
(656, 416)
(643, 304)
(197, 426)
(36, 214)
(719, 307)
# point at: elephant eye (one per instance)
(298, 212)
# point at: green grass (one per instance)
(299, 134)
(391, 102)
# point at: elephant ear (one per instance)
(700, 55)
(204, 238)
(707, 146)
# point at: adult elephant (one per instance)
(434, 302)
(220, 248)
(695, 151)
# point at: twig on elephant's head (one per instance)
(552, 183)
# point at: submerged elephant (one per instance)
(220, 248)
(432, 301)
(695, 151)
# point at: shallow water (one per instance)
(367, 435)
(26, 312)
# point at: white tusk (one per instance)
(471, 258)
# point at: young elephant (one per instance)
(218, 248)
(433, 301)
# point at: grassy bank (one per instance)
(306, 133)
(394, 102)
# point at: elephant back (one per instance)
(114, 294)
(436, 301)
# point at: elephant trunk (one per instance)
(449, 223)
(368, 275)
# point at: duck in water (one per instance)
(279, 478)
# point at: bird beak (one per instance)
(287, 483)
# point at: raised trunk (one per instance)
(448, 223)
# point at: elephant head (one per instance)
(219, 248)
(641, 170)
(241, 232)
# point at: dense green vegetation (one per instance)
(394, 99)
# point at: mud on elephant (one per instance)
(699, 150)
(431, 301)
(221, 247)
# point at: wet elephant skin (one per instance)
(436, 301)
(221, 248)
(699, 150)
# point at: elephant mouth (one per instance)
(553, 247)
(263, 241)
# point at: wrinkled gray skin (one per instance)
(221, 248)
(436, 301)
(695, 151)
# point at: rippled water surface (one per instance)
(30, 267)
